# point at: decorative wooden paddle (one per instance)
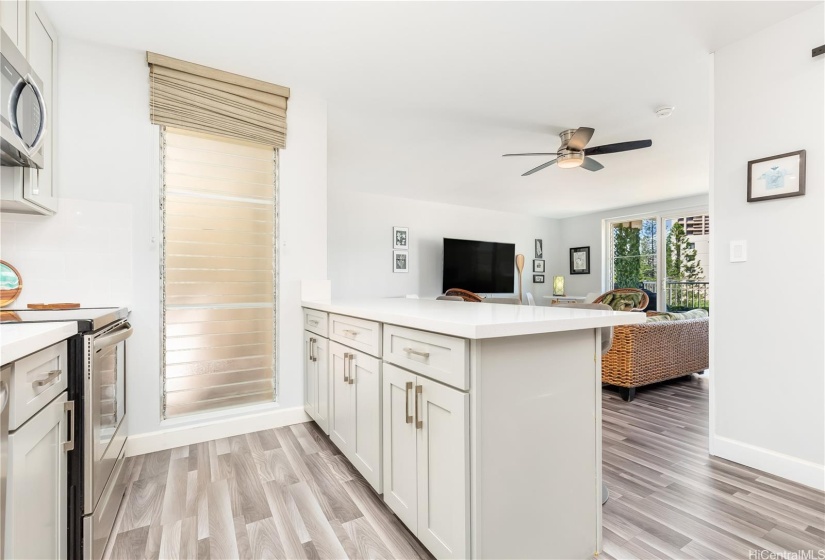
(520, 267)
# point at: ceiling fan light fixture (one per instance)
(570, 160)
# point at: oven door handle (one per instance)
(121, 334)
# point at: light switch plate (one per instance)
(738, 251)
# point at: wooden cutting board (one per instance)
(53, 305)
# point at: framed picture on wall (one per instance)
(400, 238)
(538, 265)
(776, 176)
(538, 279)
(539, 249)
(580, 260)
(400, 261)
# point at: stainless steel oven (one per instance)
(104, 432)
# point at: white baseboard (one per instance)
(213, 429)
(786, 466)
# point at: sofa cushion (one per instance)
(666, 316)
(623, 302)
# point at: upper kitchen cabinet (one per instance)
(25, 189)
(13, 15)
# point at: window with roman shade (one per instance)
(220, 135)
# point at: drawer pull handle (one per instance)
(418, 423)
(346, 364)
(68, 445)
(417, 352)
(409, 418)
(350, 332)
(351, 376)
(46, 378)
(312, 322)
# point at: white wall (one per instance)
(586, 231)
(767, 320)
(360, 242)
(108, 171)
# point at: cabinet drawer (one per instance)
(316, 321)
(443, 358)
(356, 333)
(35, 381)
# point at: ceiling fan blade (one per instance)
(540, 167)
(591, 164)
(580, 138)
(619, 147)
(531, 154)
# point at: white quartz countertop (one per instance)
(21, 339)
(475, 320)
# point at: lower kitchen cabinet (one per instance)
(427, 460)
(36, 490)
(316, 379)
(355, 415)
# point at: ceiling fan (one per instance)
(572, 152)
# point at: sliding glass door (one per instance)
(664, 255)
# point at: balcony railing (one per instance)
(687, 295)
(683, 295)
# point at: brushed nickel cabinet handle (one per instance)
(46, 378)
(417, 352)
(346, 362)
(418, 423)
(350, 332)
(351, 376)
(409, 418)
(68, 445)
(312, 357)
(312, 322)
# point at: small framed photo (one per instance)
(400, 238)
(539, 249)
(580, 260)
(400, 261)
(538, 279)
(538, 265)
(776, 176)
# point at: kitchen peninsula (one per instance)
(479, 423)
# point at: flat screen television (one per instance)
(479, 266)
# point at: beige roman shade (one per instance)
(199, 98)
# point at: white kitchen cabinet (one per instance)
(28, 190)
(427, 460)
(13, 21)
(355, 415)
(316, 379)
(36, 489)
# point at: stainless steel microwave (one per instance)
(23, 109)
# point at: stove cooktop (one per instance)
(88, 318)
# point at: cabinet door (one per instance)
(443, 469)
(13, 21)
(38, 184)
(322, 382)
(400, 465)
(310, 375)
(365, 378)
(341, 414)
(36, 490)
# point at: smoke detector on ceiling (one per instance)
(664, 112)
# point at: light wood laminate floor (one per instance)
(289, 493)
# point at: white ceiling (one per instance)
(425, 97)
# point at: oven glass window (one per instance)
(111, 364)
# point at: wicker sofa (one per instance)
(655, 351)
